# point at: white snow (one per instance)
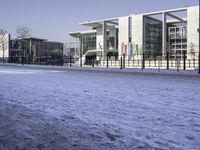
(45, 108)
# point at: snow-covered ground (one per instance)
(51, 109)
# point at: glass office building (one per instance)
(153, 34)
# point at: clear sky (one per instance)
(53, 19)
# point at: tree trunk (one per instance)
(3, 52)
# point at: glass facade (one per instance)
(152, 36)
(117, 38)
(33, 47)
(130, 29)
(88, 42)
(177, 38)
(110, 41)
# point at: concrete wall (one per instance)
(137, 34)
(99, 39)
(193, 25)
(123, 33)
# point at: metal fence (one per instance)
(156, 61)
(185, 61)
(178, 61)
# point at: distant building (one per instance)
(34, 47)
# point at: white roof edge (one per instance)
(166, 10)
(84, 31)
(81, 32)
(88, 31)
(75, 32)
(98, 21)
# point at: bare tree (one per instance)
(22, 33)
(4, 41)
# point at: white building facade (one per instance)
(153, 34)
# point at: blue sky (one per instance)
(53, 19)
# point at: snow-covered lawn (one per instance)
(85, 110)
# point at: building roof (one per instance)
(32, 38)
(97, 23)
(165, 11)
(114, 21)
(78, 33)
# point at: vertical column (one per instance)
(164, 34)
(81, 50)
(115, 39)
(143, 46)
(104, 32)
(30, 47)
(199, 39)
(75, 46)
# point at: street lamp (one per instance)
(199, 37)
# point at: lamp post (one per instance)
(199, 37)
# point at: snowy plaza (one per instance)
(76, 109)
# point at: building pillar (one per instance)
(30, 50)
(115, 39)
(104, 32)
(142, 48)
(164, 34)
(81, 50)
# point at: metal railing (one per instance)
(184, 61)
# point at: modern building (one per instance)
(29, 48)
(33, 47)
(154, 34)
